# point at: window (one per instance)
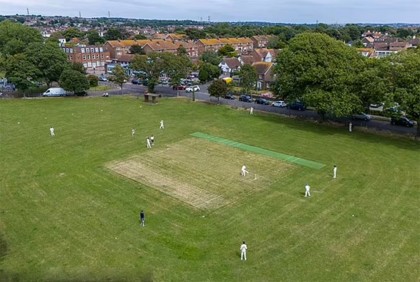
(83, 50)
(101, 49)
(96, 50)
(88, 57)
(102, 56)
(92, 50)
(84, 57)
(71, 51)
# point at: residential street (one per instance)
(203, 95)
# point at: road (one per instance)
(203, 95)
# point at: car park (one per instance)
(402, 121)
(262, 101)
(297, 105)
(245, 98)
(362, 116)
(193, 88)
(279, 104)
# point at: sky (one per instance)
(276, 11)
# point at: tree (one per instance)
(181, 51)
(211, 58)
(137, 49)
(115, 34)
(49, 59)
(119, 76)
(71, 33)
(78, 67)
(218, 88)
(74, 81)
(320, 70)
(227, 51)
(207, 71)
(94, 38)
(20, 71)
(140, 37)
(15, 37)
(403, 74)
(93, 80)
(176, 67)
(249, 76)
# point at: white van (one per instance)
(54, 92)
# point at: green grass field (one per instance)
(69, 204)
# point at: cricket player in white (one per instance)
(152, 140)
(133, 131)
(52, 131)
(335, 172)
(350, 127)
(161, 125)
(251, 111)
(148, 143)
(243, 250)
(307, 190)
(243, 170)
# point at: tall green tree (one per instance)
(71, 33)
(74, 81)
(320, 70)
(20, 71)
(137, 49)
(218, 88)
(249, 76)
(227, 51)
(403, 75)
(207, 71)
(94, 38)
(119, 76)
(211, 57)
(49, 59)
(14, 37)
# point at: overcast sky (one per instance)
(279, 11)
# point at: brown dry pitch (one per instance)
(202, 174)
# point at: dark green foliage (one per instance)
(218, 88)
(74, 81)
(93, 80)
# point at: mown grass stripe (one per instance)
(261, 151)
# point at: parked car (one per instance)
(279, 104)
(135, 81)
(179, 87)
(262, 101)
(103, 78)
(194, 88)
(362, 116)
(297, 105)
(403, 121)
(230, 96)
(245, 98)
(379, 107)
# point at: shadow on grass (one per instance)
(326, 128)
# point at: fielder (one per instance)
(251, 111)
(148, 143)
(133, 131)
(243, 249)
(152, 140)
(244, 171)
(307, 190)
(335, 172)
(52, 131)
(161, 125)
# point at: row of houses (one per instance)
(95, 58)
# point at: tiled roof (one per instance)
(248, 59)
(232, 41)
(232, 63)
(127, 43)
(262, 67)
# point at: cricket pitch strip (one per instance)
(200, 173)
